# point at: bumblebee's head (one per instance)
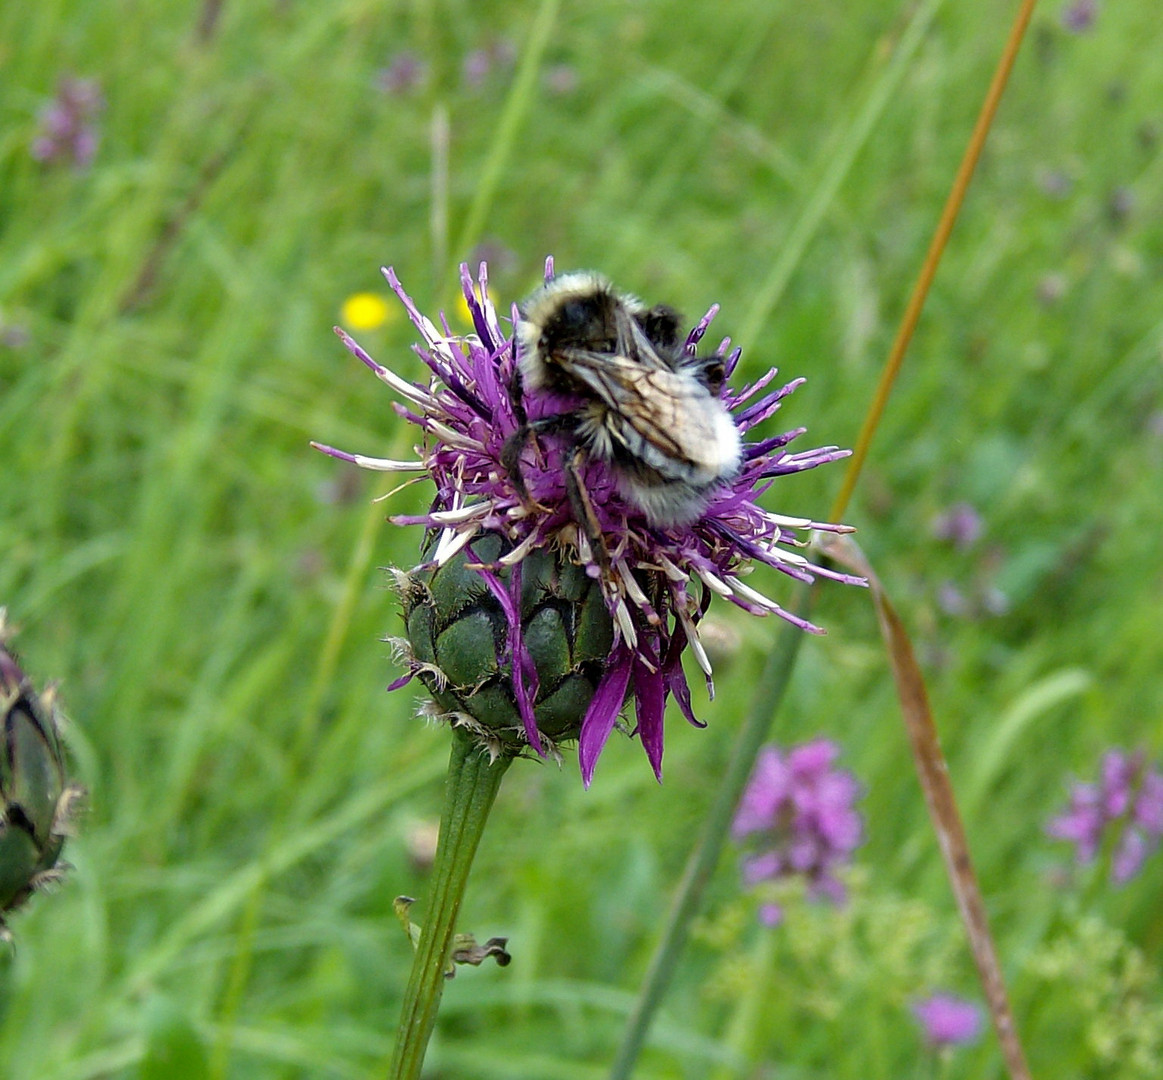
(579, 310)
(583, 310)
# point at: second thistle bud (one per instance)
(36, 800)
(462, 648)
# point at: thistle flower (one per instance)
(550, 612)
(68, 129)
(948, 1020)
(1125, 805)
(798, 820)
(36, 801)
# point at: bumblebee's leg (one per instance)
(511, 452)
(583, 508)
(514, 446)
(517, 394)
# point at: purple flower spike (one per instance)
(68, 131)
(797, 818)
(1126, 805)
(948, 1020)
(656, 581)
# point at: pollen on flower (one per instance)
(547, 598)
(366, 311)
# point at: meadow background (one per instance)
(208, 589)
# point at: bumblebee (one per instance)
(646, 408)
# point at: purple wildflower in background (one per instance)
(405, 72)
(1079, 15)
(1126, 804)
(771, 915)
(656, 582)
(947, 1020)
(960, 525)
(797, 818)
(68, 130)
(479, 64)
(13, 335)
(491, 251)
(561, 79)
(953, 601)
(1055, 183)
(1120, 204)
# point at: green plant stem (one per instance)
(471, 787)
(705, 856)
(517, 107)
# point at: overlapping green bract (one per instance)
(461, 638)
(37, 801)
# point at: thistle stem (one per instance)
(471, 787)
(701, 865)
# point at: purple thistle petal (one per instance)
(525, 681)
(524, 686)
(603, 711)
(675, 679)
(766, 408)
(649, 705)
(476, 312)
(776, 442)
(403, 680)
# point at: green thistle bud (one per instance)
(460, 645)
(36, 800)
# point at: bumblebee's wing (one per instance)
(656, 417)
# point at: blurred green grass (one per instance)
(208, 589)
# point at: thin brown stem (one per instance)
(932, 258)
